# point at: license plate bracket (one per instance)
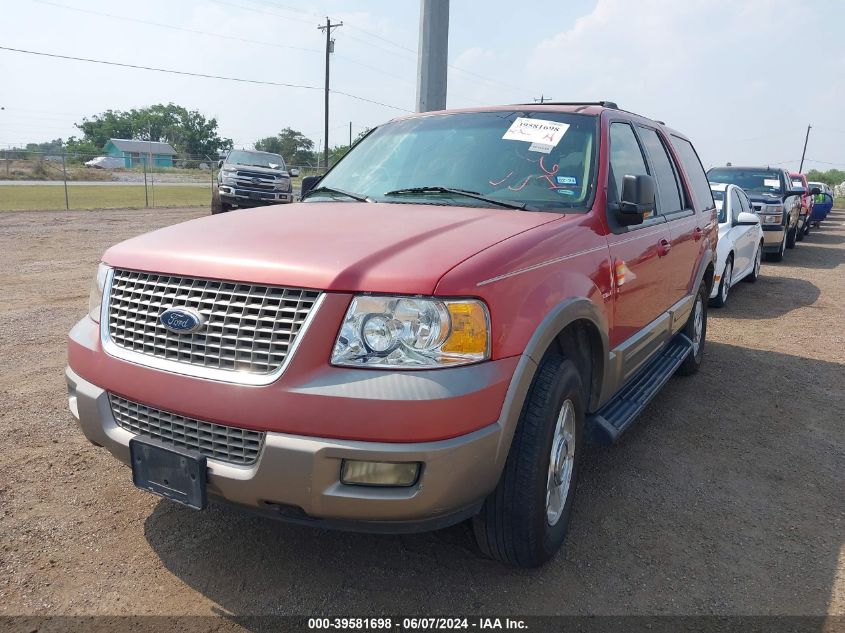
(168, 471)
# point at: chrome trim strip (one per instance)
(556, 260)
(208, 373)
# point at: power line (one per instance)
(175, 28)
(408, 52)
(195, 74)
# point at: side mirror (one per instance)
(637, 199)
(800, 191)
(747, 219)
(815, 191)
(294, 172)
(219, 164)
(308, 183)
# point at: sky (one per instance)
(741, 78)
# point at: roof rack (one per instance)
(604, 104)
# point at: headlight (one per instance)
(282, 184)
(228, 170)
(771, 219)
(412, 333)
(95, 299)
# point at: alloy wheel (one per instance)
(561, 463)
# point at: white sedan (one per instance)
(740, 245)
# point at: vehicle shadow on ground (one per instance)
(715, 502)
(770, 297)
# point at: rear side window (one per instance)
(626, 157)
(668, 194)
(695, 172)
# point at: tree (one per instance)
(188, 131)
(339, 151)
(292, 145)
(832, 177)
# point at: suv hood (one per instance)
(766, 198)
(258, 170)
(339, 246)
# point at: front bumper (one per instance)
(232, 194)
(772, 237)
(297, 478)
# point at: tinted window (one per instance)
(753, 180)
(668, 194)
(695, 173)
(626, 157)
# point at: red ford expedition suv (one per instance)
(432, 335)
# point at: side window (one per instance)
(745, 204)
(668, 194)
(626, 156)
(736, 206)
(695, 173)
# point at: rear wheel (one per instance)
(754, 275)
(724, 285)
(525, 519)
(696, 331)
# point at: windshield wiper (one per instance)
(410, 191)
(348, 194)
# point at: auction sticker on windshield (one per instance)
(543, 135)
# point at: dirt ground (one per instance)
(727, 497)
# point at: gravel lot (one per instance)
(728, 496)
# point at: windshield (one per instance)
(545, 160)
(752, 180)
(255, 159)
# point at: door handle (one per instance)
(697, 232)
(663, 247)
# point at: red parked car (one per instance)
(432, 335)
(799, 181)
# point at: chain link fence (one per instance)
(36, 179)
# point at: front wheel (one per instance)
(696, 331)
(525, 519)
(792, 236)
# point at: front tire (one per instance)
(525, 519)
(792, 236)
(696, 331)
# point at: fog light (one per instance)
(357, 473)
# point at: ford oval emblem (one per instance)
(181, 320)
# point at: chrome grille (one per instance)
(224, 443)
(248, 329)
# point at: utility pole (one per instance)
(804, 153)
(542, 99)
(329, 50)
(433, 55)
(64, 177)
